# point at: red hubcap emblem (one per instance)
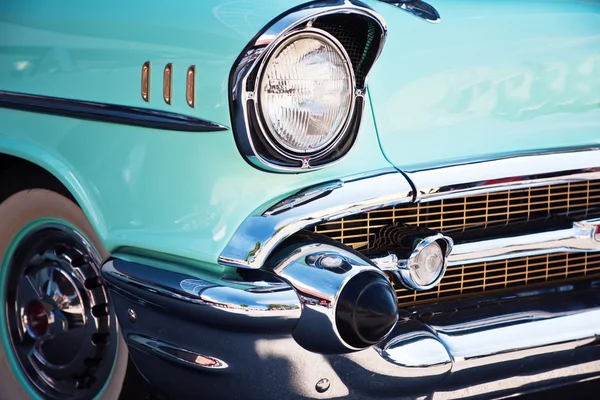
(37, 318)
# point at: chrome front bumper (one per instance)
(229, 337)
(278, 325)
(263, 231)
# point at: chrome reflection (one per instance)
(486, 340)
(417, 8)
(260, 233)
(580, 238)
(577, 239)
(506, 173)
(512, 337)
(396, 248)
(319, 272)
(176, 354)
(223, 300)
(303, 197)
(483, 333)
(419, 352)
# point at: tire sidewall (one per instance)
(19, 214)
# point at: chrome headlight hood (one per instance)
(351, 26)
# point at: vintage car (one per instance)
(211, 189)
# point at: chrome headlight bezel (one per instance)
(347, 25)
(267, 129)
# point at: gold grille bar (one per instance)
(458, 215)
(462, 280)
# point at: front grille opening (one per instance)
(547, 206)
(493, 276)
(485, 216)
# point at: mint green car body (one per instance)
(493, 79)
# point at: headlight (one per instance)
(306, 92)
(298, 89)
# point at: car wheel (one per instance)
(59, 337)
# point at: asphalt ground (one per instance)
(136, 388)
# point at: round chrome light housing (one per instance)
(427, 264)
(305, 93)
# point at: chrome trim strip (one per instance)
(177, 354)
(579, 238)
(103, 112)
(225, 301)
(261, 232)
(516, 172)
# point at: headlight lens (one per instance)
(305, 92)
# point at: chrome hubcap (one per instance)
(61, 327)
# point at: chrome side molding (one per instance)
(110, 113)
(176, 354)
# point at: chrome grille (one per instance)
(578, 200)
(471, 215)
(462, 280)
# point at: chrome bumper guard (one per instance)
(228, 329)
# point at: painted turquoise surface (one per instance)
(95, 50)
(178, 193)
(493, 78)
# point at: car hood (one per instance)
(490, 79)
